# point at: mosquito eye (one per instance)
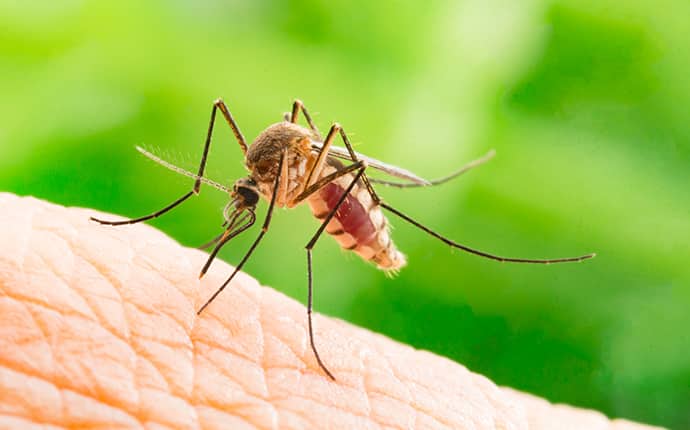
(249, 195)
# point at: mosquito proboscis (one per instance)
(290, 164)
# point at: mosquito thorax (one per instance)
(263, 155)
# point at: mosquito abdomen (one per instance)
(359, 224)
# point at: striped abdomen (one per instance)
(359, 224)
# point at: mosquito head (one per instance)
(245, 194)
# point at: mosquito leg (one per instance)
(296, 107)
(218, 104)
(467, 167)
(454, 244)
(282, 190)
(482, 253)
(264, 229)
(325, 180)
(321, 158)
(147, 217)
(353, 156)
(309, 248)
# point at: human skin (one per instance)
(98, 330)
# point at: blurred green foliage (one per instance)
(587, 104)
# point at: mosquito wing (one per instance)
(398, 172)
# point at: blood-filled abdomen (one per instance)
(358, 224)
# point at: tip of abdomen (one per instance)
(391, 261)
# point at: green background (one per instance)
(587, 104)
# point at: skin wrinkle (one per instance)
(146, 353)
(57, 274)
(315, 402)
(87, 404)
(50, 348)
(263, 362)
(274, 339)
(151, 332)
(141, 346)
(61, 390)
(385, 402)
(88, 318)
(149, 357)
(159, 400)
(145, 349)
(5, 372)
(15, 361)
(143, 261)
(230, 421)
(44, 340)
(419, 408)
(367, 394)
(178, 320)
(389, 366)
(116, 298)
(223, 404)
(10, 421)
(128, 331)
(220, 357)
(347, 383)
(248, 359)
(306, 407)
(222, 348)
(15, 367)
(38, 303)
(219, 370)
(246, 387)
(100, 383)
(73, 310)
(275, 415)
(391, 396)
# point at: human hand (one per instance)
(98, 330)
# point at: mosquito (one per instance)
(290, 164)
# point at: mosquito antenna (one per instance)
(482, 253)
(182, 171)
(469, 166)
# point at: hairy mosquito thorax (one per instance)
(263, 159)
